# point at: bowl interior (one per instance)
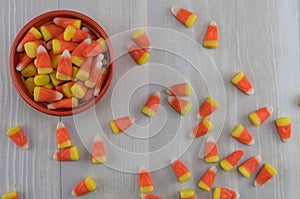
(47, 18)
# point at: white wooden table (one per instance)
(259, 37)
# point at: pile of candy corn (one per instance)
(62, 63)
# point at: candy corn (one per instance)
(54, 59)
(265, 174)
(95, 48)
(50, 31)
(17, 135)
(186, 17)
(64, 103)
(79, 89)
(207, 108)
(32, 35)
(64, 22)
(53, 79)
(151, 106)
(182, 89)
(284, 128)
(66, 89)
(43, 61)
(87, 185)
(77, 56)
(46, 95)
(149, 196)
(138, 54)
(141, 39)
(242, 83)
(89, 95)
(58, 46)
(64, 67)
(25, 60)
(93, 77)
(84, 71)
(248, 167)
(223, 193)
(67, 154)
(232, 160)
(180, 105)
(63, 139)
(98, 151)
(31, 47)
(41, 80)
(211, 151)
(101, 81)
(242, 135)
(10, 195)
(211, 36)
(29, 82)
(208, 179)
(259, 116)
(75, 35)
(187, 194)
(181, 171)
(145, 181)
(29, 70)
(121, 124)
(202, 128)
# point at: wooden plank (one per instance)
(33, 173)
(268, 53)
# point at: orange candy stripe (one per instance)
(178, 103)
(145, 178)
(211, 33)
(64, 67)
(179, 168)
(211, 149)
(263, 114)
(208, 177)
(77, 56)
(234, 157)
(135, 52)
(62, 134)
(19, 139)
(183, 15)
(251, 164)
(25, 60)
(98, 149)
(153, 102)
(199, 130)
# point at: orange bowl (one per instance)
(18, 80)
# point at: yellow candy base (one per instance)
(69, 33)
(217, 193)
(187, 193)
(226, 166)
(212, 159)
(237, 130)
(64, 145)
(203, 186)
(188, 89)
(211, 44)
(191, 20)
(29, 71)
(213, 102)
(36, 33)
(208, 124)
(13, 130)
(75, 153)
(77, 60)
(254, 119)
(114, 127)
(187, 109)
(283, 121)
(41, 80)
(146, 189)
(82, 75)
(30, 49)
(237, 77)
(9, 195)
(185, 177)
(46, 35)
(244, 172)
(137, 33)
(77, 23)
(77, 91)
(30, 84)
(143, 59)
(45, 71)
(147, 111)
(90, 184)
(99, 160)
(270, 169)
(63, 77)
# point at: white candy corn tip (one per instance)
(55, 157)
(19, 68)
(270, 109)
(97, 138)
(85, 29)
(170, 98)
(88, 41)
(157, 94)
(73, 193)
(285, 139)
(56, 20)
(99, 65)
(173, 160)
(143, 196)
(168, 91)
(20, 48)
(66, 54)
(258, 158)
(129, 46)
(96, 92)
(100, 57)
(213, 23)
(213, 169)
(49, 45)
(192, 135)
(143, 169)
(199, 117)
(59, 96)
(132, 119)
(25, 147)
(252, 142)
(60, 125)
(210, 139)
(256, 184)
(250, 92)
(41, 49)
(175, 10)
(237, 195)
(50, 106)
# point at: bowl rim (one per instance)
(13, 71)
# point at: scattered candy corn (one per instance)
(207, 108)
(67, 154)
(31, 47)
(260, 115)
(265, 174)
(211, 37)
(64, 22)
(95, 48)
(187, 194)
(138, 54)
(50, 31)
(248, 167)
(149, 196)
(181, 171)
(202, 128)
(242, 135)
(232, 160)
(32, 35)
(284, 128)
(10, 195)
(182, 89)
(75, 35)
(98, 151)
(145, 181)
(121, 124)
(87, 185)
(17, 135)
(208, 179)
(186, 17)
(223, 193)
(211, 151)
(63, 139)
(43, 61)
(77, 56)
(64, 103)
(46, 95)
(64, 67)
(151, 106)
(180, 105)
(242, 83)
(141, 39)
